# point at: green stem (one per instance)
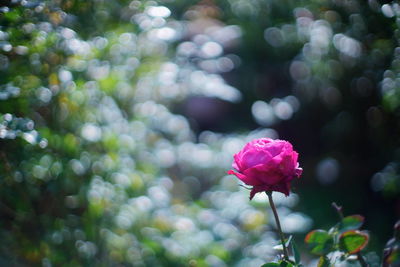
(338, 210)
(278, 224)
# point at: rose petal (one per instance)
(298, 171)
(295, 157)
(283, 188)
(247, 180)
(264, 174)
(236, 162)
(254, 157)
(275, 148)
(286, 165)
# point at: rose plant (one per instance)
(269, 165)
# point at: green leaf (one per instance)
(392, 257)
(352, 222)
(282, 263)
(353, 241)
(286, 264)
(319, 241)
(295, 253)
(323, 262)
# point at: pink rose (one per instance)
(267, 165)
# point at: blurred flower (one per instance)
(267, 165)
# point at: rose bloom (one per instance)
(267, 165)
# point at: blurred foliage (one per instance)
(120, 118)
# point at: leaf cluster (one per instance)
(343, 242)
